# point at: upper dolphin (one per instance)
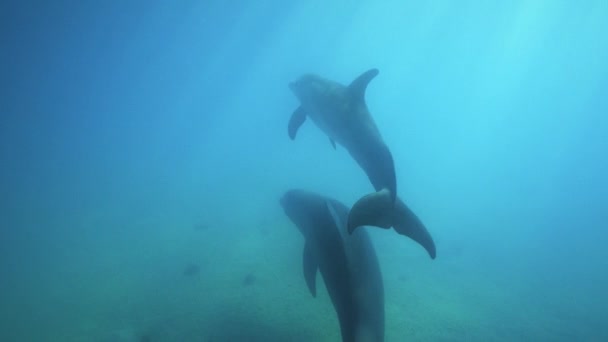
(341, 112)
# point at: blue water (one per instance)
(138, 142)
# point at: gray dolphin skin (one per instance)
(347, 262)
(341, 112)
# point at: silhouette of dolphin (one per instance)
(347, 262)
(341, 112)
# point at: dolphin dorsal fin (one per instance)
(358, 86)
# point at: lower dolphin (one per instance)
(347, 262)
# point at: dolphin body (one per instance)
(347, 262)
(341, 112)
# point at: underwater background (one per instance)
(144, 149)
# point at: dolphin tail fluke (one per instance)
(377, 209)
(374, 209)
(405, 222)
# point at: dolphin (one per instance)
(347, 262)
(341, 112)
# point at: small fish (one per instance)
(201, 226)
(249, 279)
(191, 270)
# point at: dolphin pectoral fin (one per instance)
(375, 209)
(405, 222)
(358, 86)
(310, 265)
(333, 143)
(297, 119)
